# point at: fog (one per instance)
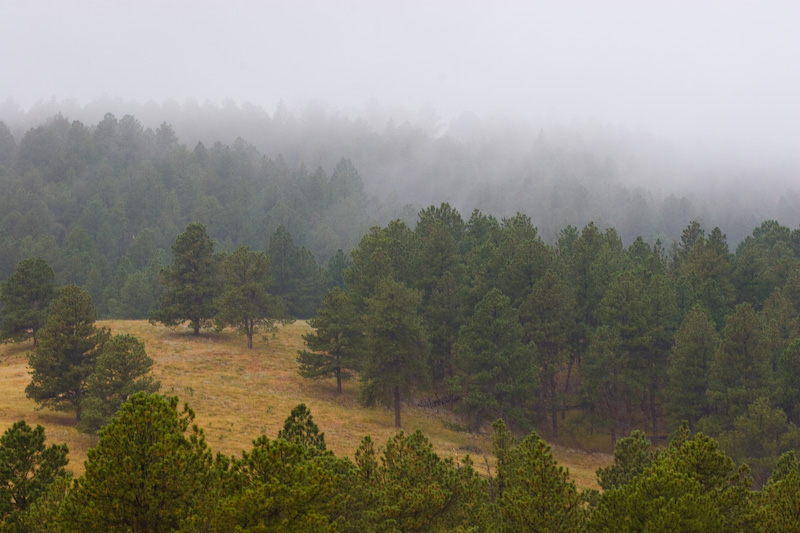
(713, 86)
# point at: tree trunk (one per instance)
(397, 407)
(553, 404)
(196, 327)
(566, 388)
(338, 380)
(653, 413)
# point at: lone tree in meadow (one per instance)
(65, 356)
(333, 347)
(192, 282)
(24, 298)
(245, 302)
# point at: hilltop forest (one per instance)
(615, 332)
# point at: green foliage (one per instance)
(495, 372)
(412, 489)
(120, 371)
(740, 371)
(548, 317)
(632, 456)
(781, 496)
(688, 372)
(536, 494)
(692, 486)
(65, 357)
(276, 486)
(245, 302)
(759, 437)
(397, 346)
(335, 346)
(191, 283)
(298, 279)
(144, 475)
(300, 427)
(27, 469)
(25, 297)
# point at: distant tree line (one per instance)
(618, 338)
(102, 205)
(168, 479)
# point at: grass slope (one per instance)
(239, 394)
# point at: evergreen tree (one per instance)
(397, 346)
(121, 370)
(759, 437)
(300, 426)
(25, 297)
(245, 302)
(27, 469)
(144, 475)
(537, 494)
(191, 283)
(334, 346)
(632, 456)
(549, 318)
(495, 374)
(65, 357)
(687, 374)
(781, 496)
(298, 279)
(740, 371)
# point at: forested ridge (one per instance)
(612, 335)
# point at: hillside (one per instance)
(239, 394)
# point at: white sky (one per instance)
(697, 70)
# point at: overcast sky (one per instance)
(723, 70)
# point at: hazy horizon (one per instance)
(722, 76)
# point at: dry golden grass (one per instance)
(239, 394)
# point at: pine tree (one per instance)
(537, 493)
(67, 351)
(121, 370)
(191, 283)
(496, 373)
(687, 374)
(397, 346)
(740, 371)
(245, 302)
(335, 345)
(25, 297)
(144, 475)
(27, 469)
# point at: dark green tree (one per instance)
(632, 456)
(300, 426)
(410, 488)
(245, 302)
(496, 373)
(396, 346)
(145, 474)
(298, 279)
(549, 317)
(335, 346)
(191, 283)
(781, 496)
(27, 468)
(121, 370)
(25, 297)
(537, 494)
(65, 357)
(687, 374)
(740, 371)
(759, 437)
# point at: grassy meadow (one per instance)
(239, 394)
